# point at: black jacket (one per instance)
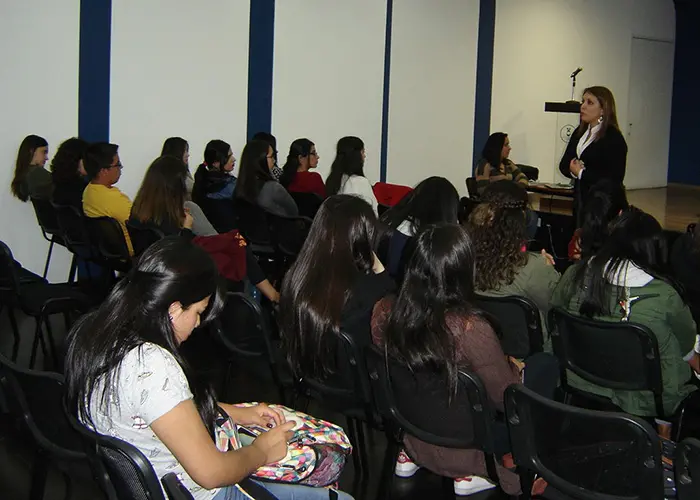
(604, 158)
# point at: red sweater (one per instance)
(308, 182)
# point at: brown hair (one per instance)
(24, 160)
(607, 103)
(161, 197)
(498, 229)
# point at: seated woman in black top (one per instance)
(433, 201)
(68, 173)
(332, 286)
(214, 184)
(160, 204)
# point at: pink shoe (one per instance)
(405, 467)
(472, 484)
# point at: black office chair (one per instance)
(76, 236)
(35, 398)
(308, 203)
(582, 454)
(687, 469)
(396, 390)
(472, 188)
(253, 224)
(532, 173)
(616, 355)
(39, 300)
(348, 392)
(520, 322)
(142, 236)
(108, 236)
(288, 235)
(246, 332)
(46, 217)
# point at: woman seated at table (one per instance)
(495, 164)
(126, 378)
(160, 204)
(625, 281)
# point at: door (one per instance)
(648, 130)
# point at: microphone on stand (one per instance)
(573, 83)
(576, 72)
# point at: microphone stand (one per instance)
(573, 86)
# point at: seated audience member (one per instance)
(68, 172)
(433, 200)
(347, 172)
(504, 267)
(179, 148)
(624, 281)
(213, 178)
(495, 165)
(685, 263)
(271, 140)
(126, 378)
(332, 286)
(435, 330)
(31, 178)
(606, 200)
(160, 204)
(297, 176)
(256, 183)
(101, 198)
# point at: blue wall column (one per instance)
(683, 161)
(93, 69)
(260, 62)
(484, 77)
(385, 98)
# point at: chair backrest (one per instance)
(464, 421)
(46, 215)
(288, 233)
(37, 398)
(9, 277)
(617, 355)
(107, 233)
(472, 188)
(687, 469)
(142, 236)
(74, 231)
(520, 322)
(308, 203)
(532, 173)
(243, 328)
(252, 222)
(220, 213)
(583, 454)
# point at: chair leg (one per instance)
(387, 477)
(356, 460)
(73, 269)
(39, 472)
(48, 259)
(38, 338)
(52, 344)
(15, 333)
(362, 443)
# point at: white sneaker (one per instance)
(405, 467)
(472, 484)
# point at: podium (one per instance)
(567, 121)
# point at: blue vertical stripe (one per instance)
(93, 69)
(484, 75)
(260, 61)
(385, 98)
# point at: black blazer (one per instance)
(604, 158)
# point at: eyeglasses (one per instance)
(118, 165)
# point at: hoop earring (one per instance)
(600, 119)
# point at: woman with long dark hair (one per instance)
(498, 227)
(597, 149)
(625, 281)
(347, 171)
(68, 172)
(179, 148)
(332, 286)
(31, 178)
(256, 183)
(161, 203)
(126, 377)
(214, 178)
(433, 328)
(297, 176)
(434, 200)
(495, 164)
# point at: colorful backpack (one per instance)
(315, 457)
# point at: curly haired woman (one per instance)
(504, 267)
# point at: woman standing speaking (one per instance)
(597, 148)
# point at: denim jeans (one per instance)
(282, 492)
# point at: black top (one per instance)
(685, 264)
(70, 192)
(604, 158)
(356, 317)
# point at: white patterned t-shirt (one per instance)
(150, 384)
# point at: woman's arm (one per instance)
(182, 431)
(569, 155)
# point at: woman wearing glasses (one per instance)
(297, 174)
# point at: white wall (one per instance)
(539, 43)
(328, 76)
(177, 71)
(39, 95)
(433, 85)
